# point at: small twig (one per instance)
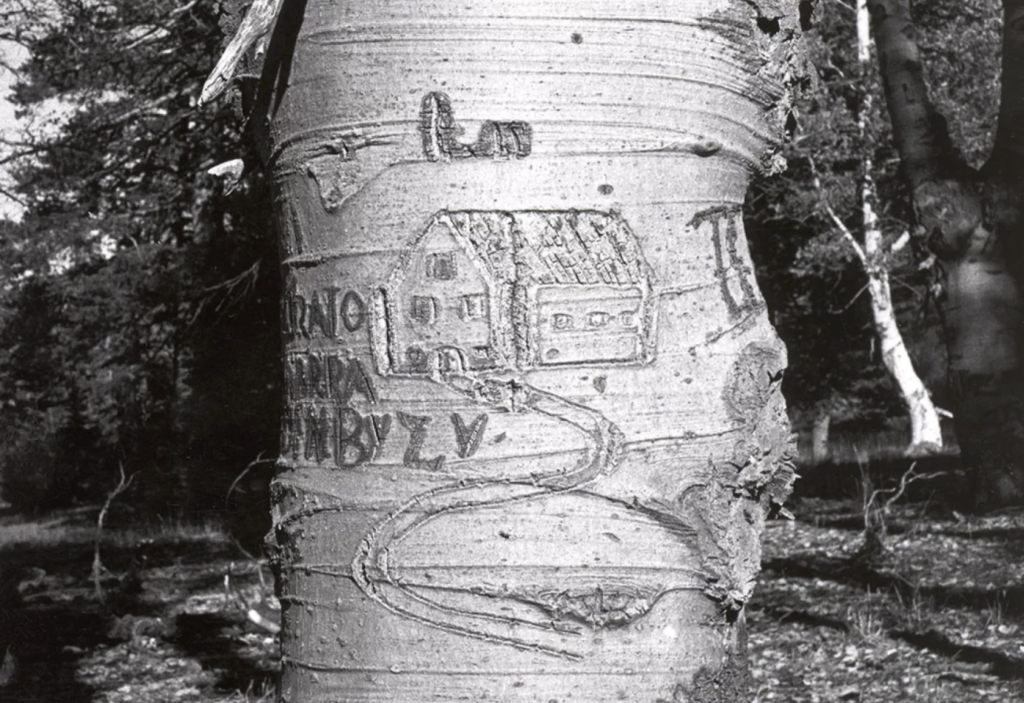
(97, 564)
(908, 478)
(231, 489)
(840, 225)
(854, 299)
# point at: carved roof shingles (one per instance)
(553, 247)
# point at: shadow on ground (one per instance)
(45, 645)
(214, 640)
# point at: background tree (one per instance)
(972, 220)
(140, 315)
(813, 270)
(957, 43)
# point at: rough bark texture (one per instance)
(533, 424)
(973, 222)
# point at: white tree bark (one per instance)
(820, 424)
(533, 421)
(925, 430)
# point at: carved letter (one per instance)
(353, 311)
(715, 215)
(357, 381)
(469, 438)
(318, 431)
(380, 427)
(316, 377)
(291, 433)
(417, 426)
(352, 448)
(320, 317)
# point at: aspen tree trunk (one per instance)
(533, 419)
(925, 428)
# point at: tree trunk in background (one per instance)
(819, 432)
(533, 421)
(973, 222)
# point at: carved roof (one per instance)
(552, 247)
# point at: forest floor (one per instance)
(937, 617)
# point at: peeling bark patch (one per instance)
(728, 508)
(770, 27)
(597, 607)
(750, 381)
(763, 38)
(731, 683)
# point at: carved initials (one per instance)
(325, 377)
(495, 140)
(730, 214)
(469, 438)
(340, 435)
(318, 432)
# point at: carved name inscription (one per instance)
(496, 139)
(327, 313)
(327, 376)
(338, 434)
(321, 425)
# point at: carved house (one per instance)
(582, 294)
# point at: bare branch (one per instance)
(97, 564)
(906, 479)
(840, 225)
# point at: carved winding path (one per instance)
(373, 573)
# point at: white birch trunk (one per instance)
(925, 430)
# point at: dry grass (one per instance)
(856, 447)
(78, 527)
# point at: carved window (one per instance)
(441, 266)
(423, 309)
(561, 321)
(416, 359)
(473, 307)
